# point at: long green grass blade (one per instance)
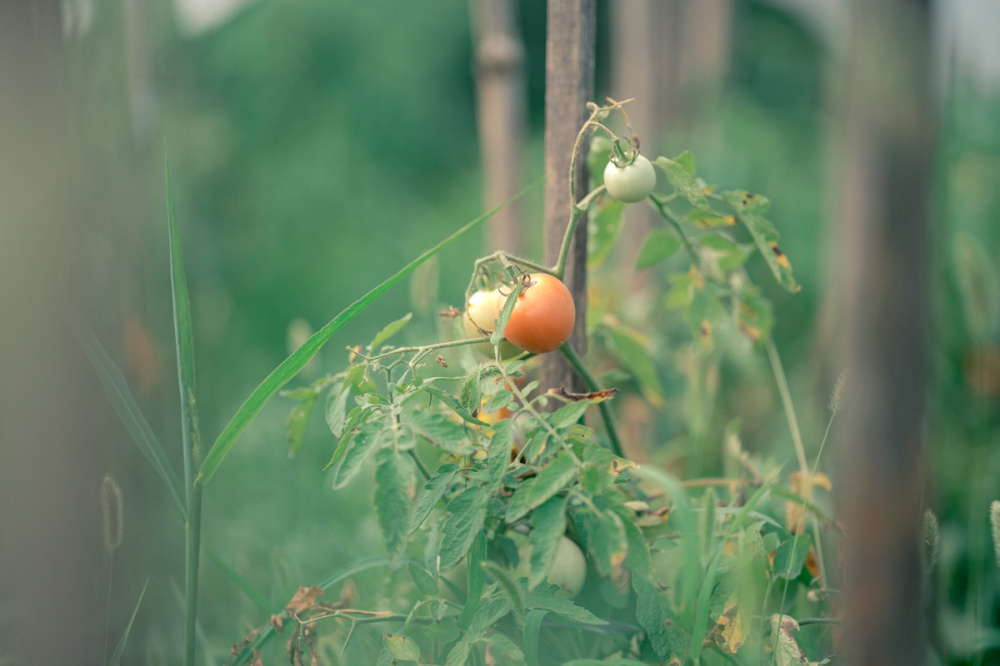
(183, 340)
(128, 411)
(328, 581)
(116, 658)
(291, 365)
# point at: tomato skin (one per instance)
(633, 183)
(544, 315)
(480, 315)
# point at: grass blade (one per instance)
(184, 341)
(128, 411)
(291, 365)
(120, 649)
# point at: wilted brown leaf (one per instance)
(303, 599)
(730, 630)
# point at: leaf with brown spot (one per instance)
(787, 650)
(730, 631)
(303, 599)
(595, 396)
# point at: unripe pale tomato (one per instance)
(480, 316)
(543, 316)
(568, 570)
(633, 183)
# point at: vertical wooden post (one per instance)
(500, 110)
(885, 218)
(569, 85)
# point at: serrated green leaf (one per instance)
(633, 351)
(476, 581)
(658, 246)
(489, 613)
(459, 654)
(518, 505)
(501, 399)
(298, 422)
(354, 419)
(652, 614)
(357, 451)
(470, 397)
(750, 209)
(439, 431)
(604, 227)
(391, 329)
(298, 359)
(401, 647)
(392, 497)
(791, 556)
(425, 582)
(549, 597)
(444, 631)
(467, 514)
(548, 524)
(336, 408)
(498, 454)
(504, 651)
(116, 658)
(605, 539)
(568, 415)
(509, 588)
(683, 182)
(452, 404)
(550, 480)
(434, 490)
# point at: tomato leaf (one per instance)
(357, 451)
(498, 454)
(336, 407)
(750, 209)
(392, 497)
(467, 514)
(658, 246)
(683, 182)
(439, 431)
(391, 329)
(549, 597)
(553, 478)
(504, 651)
(548, 524)
(651, 612)
(435, 488)
(489, 613)
(791, 556)
(509, 588)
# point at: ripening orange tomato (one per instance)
(544, 315)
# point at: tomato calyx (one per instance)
(622, 156)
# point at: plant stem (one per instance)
(595, 386)
(193, 550)
(420, 464)
(669, 216)
(107, 625)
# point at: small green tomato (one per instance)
(568, 570)
(632, 183)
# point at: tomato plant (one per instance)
(543, 316)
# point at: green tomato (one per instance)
(632, 183)
(568, 569)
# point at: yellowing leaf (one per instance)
(731, 629)
(802, 486)
(787, 650)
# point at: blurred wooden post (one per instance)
(51, 582)
(500, 111)
(884, 215)
(569, 85)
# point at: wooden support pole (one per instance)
(569, 85)
(884, 218)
